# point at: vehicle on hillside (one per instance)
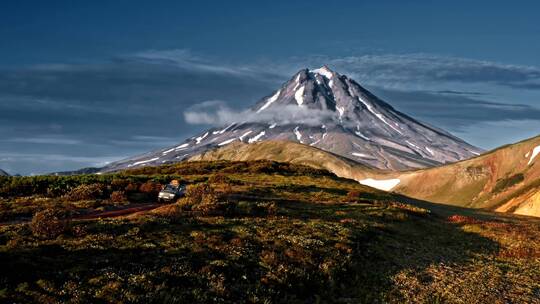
(171, 192)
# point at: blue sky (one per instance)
(87, 82)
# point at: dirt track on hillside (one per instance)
(100, 214)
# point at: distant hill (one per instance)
(3, 173)
(286, 151)
(88, 170)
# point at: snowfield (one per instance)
(256, 137)
(324, 71)
(144, 161)
(200, 138)
(270, 101)
(299, 96)
(383, 184)
(535, 152)
(227, 142)
(298, 135)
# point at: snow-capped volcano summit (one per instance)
(324, 109)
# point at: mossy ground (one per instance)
(286, 237)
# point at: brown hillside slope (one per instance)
(285, 151)
(506, 179)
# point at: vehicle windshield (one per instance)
(170, 188)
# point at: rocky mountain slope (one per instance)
(329, 111)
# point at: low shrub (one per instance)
(353, 196)
(118, 184)
(150, 187)
(85, 192)
(215, 208)
(199, 194)
(50, 223)
(221, 184)
(118, 196)
(219, 179)
(131, 187)
(462, 219)
(257, 208)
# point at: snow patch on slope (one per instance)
(244, 135)
(182, 146)
(256, 137)
(357, 132)
(200, 138)
(270, 101)
(144, 161)
(413, 145)
(298, 135)
(324, 71)
(535, 152)
(382, 184)
(361, 155)
(299, 95)
(227, 142)
(341, 110)
(297, 80)
(378, 115)
(223, 131)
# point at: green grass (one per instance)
(286, 237)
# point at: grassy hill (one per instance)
(291, 152)
(505, 179)
(254, 232)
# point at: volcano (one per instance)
(332, 112)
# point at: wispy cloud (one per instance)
(217, 113)
(185, 59)
(53, 140)
(456, 111)
(145, 140)
(423, 70)
(451, 92)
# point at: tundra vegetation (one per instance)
(253, 232)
